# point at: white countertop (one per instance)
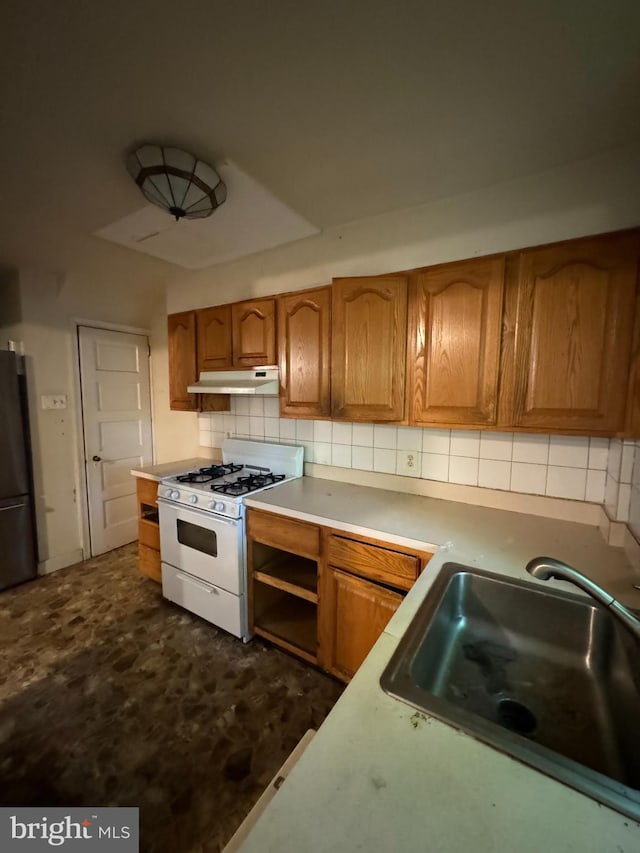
(379, 777)
(491, 538)
(170, 469)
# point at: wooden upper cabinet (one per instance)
(368, 348)
(304, 340)
(573, 314)
(254, 333)
(456, 320)
(182, 360)
(632, 425)
(214, 338)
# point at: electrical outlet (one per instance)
(53, 401)
(409, 463)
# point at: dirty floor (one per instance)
(109, 695)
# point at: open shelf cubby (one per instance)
(285, 619)
(289, 572)
(149, 513)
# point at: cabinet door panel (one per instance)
(574, 327)
(457, 314)
(632, 427)
(369, 322)
(181, 346)
(304, 340)
(214, 338)
(254, 333)
(356, 613)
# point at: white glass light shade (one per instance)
(176, 181)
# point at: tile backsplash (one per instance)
(552, 465)
(634, 502)
(618, 488)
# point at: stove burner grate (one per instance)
(244, 485)
(210, 472)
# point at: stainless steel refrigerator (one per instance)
(18, 556)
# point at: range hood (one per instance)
(259, 381)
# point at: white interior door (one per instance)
(116, 409)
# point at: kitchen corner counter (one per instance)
(380, 776)
(170, 469)
(494, 539)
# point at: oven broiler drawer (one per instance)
(217, 606)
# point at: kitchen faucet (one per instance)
(545, 568)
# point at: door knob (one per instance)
(97, 459)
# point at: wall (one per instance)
(47, 302)
(619, 477)
(597, 195)
(589, 197)
(634, 497)
(555, 466)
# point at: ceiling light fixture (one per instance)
(176, 181)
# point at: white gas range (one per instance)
(202, 535)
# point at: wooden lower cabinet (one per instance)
(322, 594)
(148, 529)
(283, 582)
(355, 613)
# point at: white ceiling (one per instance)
(250, 220)
(341, 110)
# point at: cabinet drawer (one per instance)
(373, 561)
(298, 537)
(147, 491)
(149, 563)
(149, 534)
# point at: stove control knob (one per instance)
(175, 494)
(219, 507)
(193, 499)
(168, 493)
(211, 504)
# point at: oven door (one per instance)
(203, 544)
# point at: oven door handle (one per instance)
(204, 587)
(219, 519)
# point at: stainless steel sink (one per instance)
(548, 677)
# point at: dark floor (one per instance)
(110, 695)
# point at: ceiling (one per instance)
(341, 110)
(250, 220)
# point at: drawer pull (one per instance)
(204, 587)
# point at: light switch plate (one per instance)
(53, 401)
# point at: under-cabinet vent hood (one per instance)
(260, 380)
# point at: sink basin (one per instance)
(548, 677)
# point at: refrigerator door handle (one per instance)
(11, 506)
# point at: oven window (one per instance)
(198, 538)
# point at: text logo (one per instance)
(101, 829)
